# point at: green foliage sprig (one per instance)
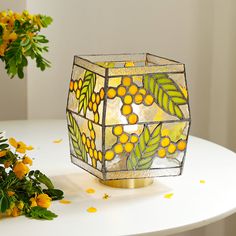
(24, 192)
(20, 39)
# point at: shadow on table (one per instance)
(75, 185)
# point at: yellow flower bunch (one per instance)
(19, 39)
(21, 190)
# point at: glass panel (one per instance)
(85, 140)
(86, 94)
(149, 98)
(146, 146)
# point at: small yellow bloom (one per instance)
(64, 201)
(43, 200)
(3, 153)
(27, 160)
(168, 195)
(106, 196)
(57, 141)
(10, 193)
(90, 190)
(16, 212)
(33, 202)
(21, 205)
(20, 170)
(20, 146)
(91, 210)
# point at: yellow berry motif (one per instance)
(80, 83)
(181, 145)
(161, 152)
(75, 86)
(172, 148)
(90, 125)
(124, 138)
(132, 119)
(125, 141)
(90, 145)
(128, 99)
(77, 94)
(129, 147)
(126, 81)
(134, 138)
(109, 155)
(71, 85)
(126, 110)
(138, 99)
(133, 89)
(118, 148)
(118, 130)
(168, 148)
(96, 117)
(148, 100)
(121, 91)
(165, 142)
(111, 93)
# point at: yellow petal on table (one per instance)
(57, 140)
(64, 201)
(92, 210)
(106, 196)
(90, 190)
(168, 195)
(202, 181)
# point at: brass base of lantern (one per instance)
(128, 183)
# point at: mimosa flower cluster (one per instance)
(20, 39)
(23, 192)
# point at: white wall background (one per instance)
(200, 33)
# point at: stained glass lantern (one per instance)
(128, 117)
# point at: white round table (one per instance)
(127, 211)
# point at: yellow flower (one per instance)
(43, 200)
(33, 202)
(20, 170)
(3, 153)
(27, 160)
(16, 212)
(19, 146)
(10, 193)
(21, 205)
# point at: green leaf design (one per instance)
(166, 92)
(76, 138)
(141, 157)
(86, 90)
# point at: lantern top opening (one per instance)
(122, 64)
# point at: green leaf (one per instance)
(86, 90)
(54, 194)
(141, 157)
(4, 203)
(166, 92)
(4, 146)
(76, 138)
(41, 213)
(42, 178)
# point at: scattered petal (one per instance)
(57, 141)
(202, 181)
(90, 190)
(91, 209)
(64, 201)
(168, 195)
(106, 196)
